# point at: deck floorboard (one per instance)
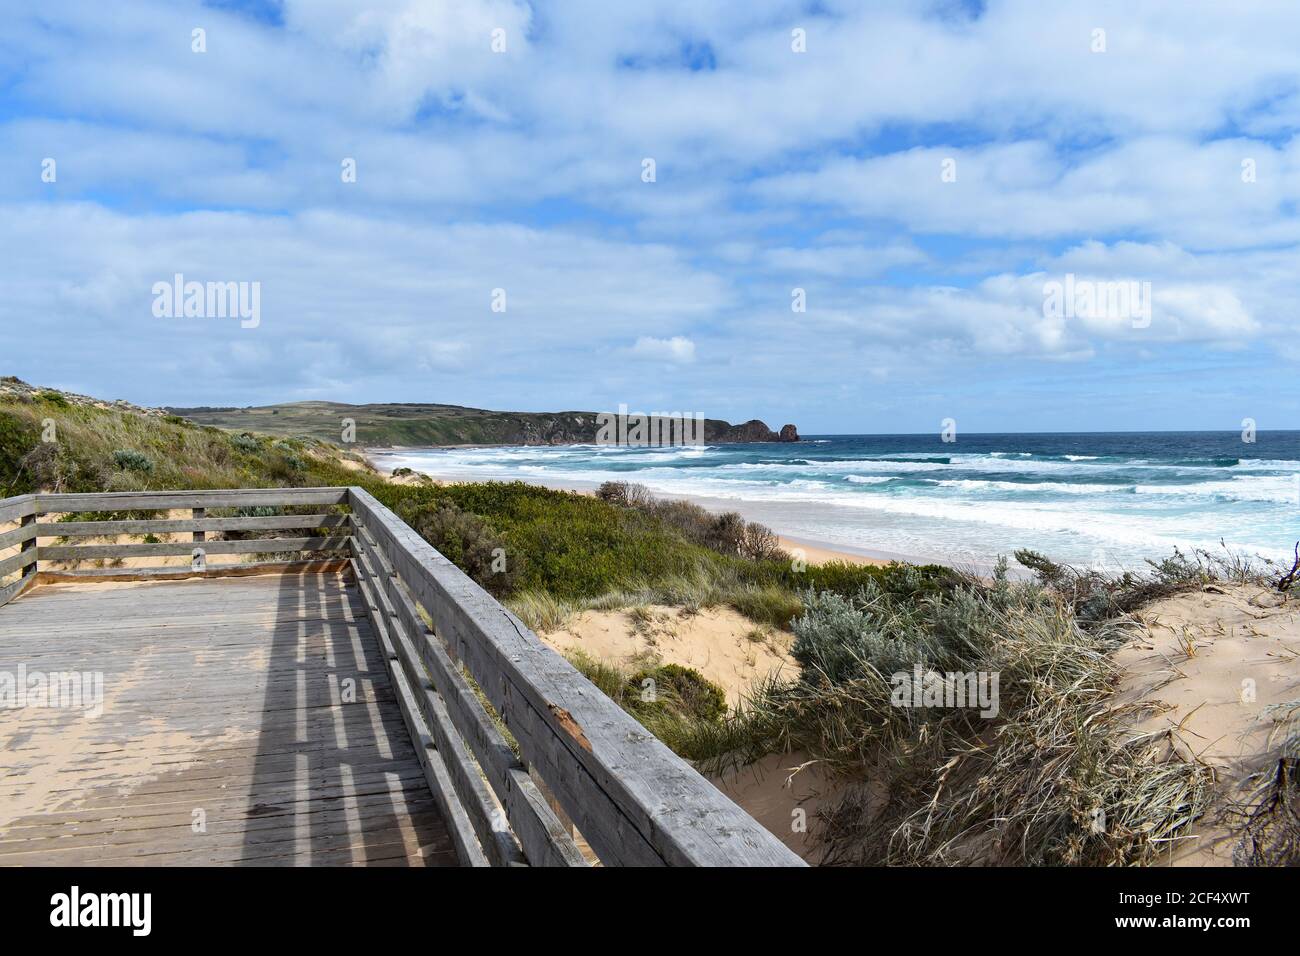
(258, 707)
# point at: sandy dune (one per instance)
(724, 646)
(1212, 661)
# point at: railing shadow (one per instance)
(333, 755)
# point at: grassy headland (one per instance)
(426, 424)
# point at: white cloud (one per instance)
(372, 302)
(677, 349)
(1170, 188)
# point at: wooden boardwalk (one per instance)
(246, 721)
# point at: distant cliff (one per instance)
(378, 426)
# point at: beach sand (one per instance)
(1210, 663)
(724, 646)
(784, 792)
(815, 553)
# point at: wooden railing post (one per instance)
(22, 510)
(199, 513)
(29, 545)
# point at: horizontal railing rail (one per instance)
(317, 533)
(516, 745)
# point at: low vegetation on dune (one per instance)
(1057, 776)
(950, 784)
(566, 552)
(676, 704)
(56, 442)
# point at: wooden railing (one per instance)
(517, 746)
(20, 511)
(329, 528)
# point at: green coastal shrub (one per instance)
(768, 604)
(129, 460)
(587, 551)
(682, 707)
(468, 542)
(182, 455)
(727, 533)
(681, 689)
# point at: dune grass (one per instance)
(676, 704)
(1052, 779)
(118, 449)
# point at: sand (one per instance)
(784, 792)
(1211, 661)
(821, 554)
(721, 644)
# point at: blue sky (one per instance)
(1087, 139)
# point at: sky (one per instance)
(849, 216)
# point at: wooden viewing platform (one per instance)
(317, 686)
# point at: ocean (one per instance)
(1104, 500)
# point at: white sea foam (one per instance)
(1281, 489)
(1048, 487)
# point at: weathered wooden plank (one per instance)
(458, 817)
(393, 853)
(16, 562)
(463, 835)
(634, 800)
(88, 552)
(19, 535)
(158, 501)
(364, 766)
(435, 770)
(181, 572)
(13, 509)
(74, 529)
(545, 840)
(89, 830)
(297, 774)
(493, 834)
(11, 591)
